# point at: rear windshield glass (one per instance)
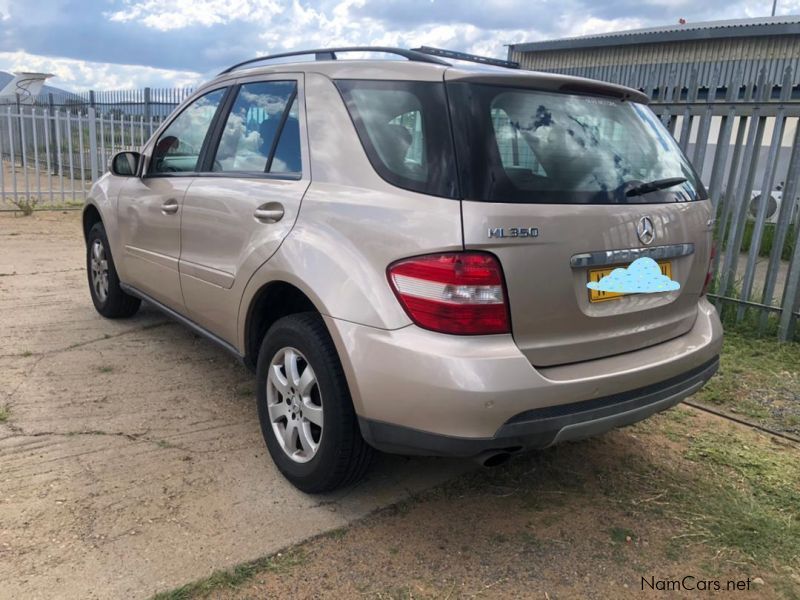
(529, 146)
(405, 131)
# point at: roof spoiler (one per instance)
(554, 82)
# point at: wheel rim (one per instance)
(99, 267)
(294, 404)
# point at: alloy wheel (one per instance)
(99, 268)
(294, 404)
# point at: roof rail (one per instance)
(330, 54)
(452, 54)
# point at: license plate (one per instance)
(598, 274)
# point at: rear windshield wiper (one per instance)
(652, 186)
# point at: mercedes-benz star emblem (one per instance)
(646, 230)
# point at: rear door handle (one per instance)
(271, 212)
(170, 207)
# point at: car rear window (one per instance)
(405, 131)
(528, 146)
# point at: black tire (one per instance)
(117, 304)
(342, 456)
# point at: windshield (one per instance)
(529, 146)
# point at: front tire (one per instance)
(304, 407)
(107, 295)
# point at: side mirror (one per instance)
(125, 164)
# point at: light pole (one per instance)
(774, 6)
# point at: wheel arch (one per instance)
(91, 216)
(272, 301)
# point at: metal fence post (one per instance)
(92, 115)
(148, 111)
(766, 189)
(741, 201)
(18, 128)
(791, 297)
(53, 149)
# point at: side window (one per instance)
(404, 129)
(412, 122)
(262, 131)
(393, 119)
(178, 147)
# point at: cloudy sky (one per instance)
(113, 44)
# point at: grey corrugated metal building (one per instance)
(647, 58)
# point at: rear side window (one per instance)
(262, 132)
(530, 146)
(404, 129)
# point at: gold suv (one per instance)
(418, 256)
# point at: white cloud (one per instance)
(166, 15)
(79, 75)
(592, 25)
(5, 9)
(762, 9)
(290, 25)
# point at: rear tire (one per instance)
(304, 407)
(107, 295)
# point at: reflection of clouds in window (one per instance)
(179, 145)
(273, 105)
(191, 127)
(238, 148)
(279, 166)
(252, 125)
(585, 143)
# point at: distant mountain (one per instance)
(47, 89)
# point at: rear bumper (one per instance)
(419, 392)
(539, 428)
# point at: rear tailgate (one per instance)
(552, 318)
(553, 168)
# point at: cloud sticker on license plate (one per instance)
(642, 276)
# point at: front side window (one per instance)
(262, 131)
(404, 129)
(531, 146)
(178, 147)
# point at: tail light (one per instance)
(458, 292)
(709, 273)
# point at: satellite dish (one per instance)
(25, 86)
